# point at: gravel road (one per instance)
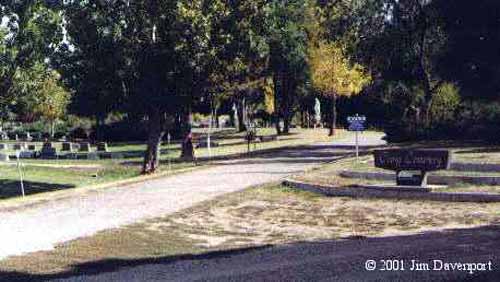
(42, 227)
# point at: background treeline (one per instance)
(122, 70)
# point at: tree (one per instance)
(166, 50)
(333, 74)
(287, 40)
(471, 33)
(51, 100)
(30, 33)
(91, 61)
(402, 41)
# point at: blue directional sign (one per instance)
(356, 123)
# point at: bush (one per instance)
(445, 104)
(122, 131)
(79, 133)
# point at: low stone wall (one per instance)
(479, 167)
(393, 193)
(432, 179)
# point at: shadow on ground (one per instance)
(340, 260)
(289, 154)
(11, 188)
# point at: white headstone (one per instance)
(4, 158)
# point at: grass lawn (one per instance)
(265, 215)
(51, 175)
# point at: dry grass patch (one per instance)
(265, 215)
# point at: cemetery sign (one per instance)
(356, 123)
(406, 162)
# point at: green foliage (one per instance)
(30, 33)
(51, 99)
(287, 38)
(445, 103)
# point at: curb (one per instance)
(18, 203)
(366, 192)
(432, 179)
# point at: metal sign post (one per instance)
(208, 138)
(357, 147)
(168, 151)
(356, 124)
(19, 168)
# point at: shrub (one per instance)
(79, 133)
(123, 131)
(445, 104)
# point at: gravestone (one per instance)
(4, 135)
(4, 146)
(85, 147)
(93, 156)
(67, 147)
(102, 147)
(412, 166)
(25, 136)
(26, 155)
(48, 151)
(37, 137)
(32, 147)
(4, 158)
(20, 146)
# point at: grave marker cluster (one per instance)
(48, 151)
(102, 147)
(85, 147)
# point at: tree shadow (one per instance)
(112, 265)
(12, 188)
(286, 154)
(344, 258)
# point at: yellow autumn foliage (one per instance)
(333, 73)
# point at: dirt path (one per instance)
(42, 227)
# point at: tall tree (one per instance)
(91, 60)
(471, 32)
(333, 74)
(287, 39)
(30, 33)
(166, 51)
(401, 41)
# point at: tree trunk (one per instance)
(52, 129)
(286, 124)
(277, 123)
(155, 136)
(232, 119)
(333, 117)
(187, 143)
(242, 115)
(216, 117)
(99, 122)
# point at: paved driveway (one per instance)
(42, 227)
